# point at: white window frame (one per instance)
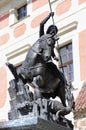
(13, 18)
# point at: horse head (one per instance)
(46, 47)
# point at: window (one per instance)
(67, 61)
(22, 12)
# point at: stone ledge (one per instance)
(31, 123)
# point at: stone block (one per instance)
(31, 123)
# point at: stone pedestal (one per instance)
(32, 123)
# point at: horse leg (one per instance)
(61, 93)
(70, 100)
(37, 82)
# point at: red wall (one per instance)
(63, 7)
(4, 20)
(20, 30)
(3, 86)
(81, 1)
(36, 4)
(36, 21)
(82, 52)
(4, 38)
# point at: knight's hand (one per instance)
(52, 14)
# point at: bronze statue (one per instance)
(44, 76)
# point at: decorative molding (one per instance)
(17, 52)
(4, 2)
(67, 28)
(58, 1)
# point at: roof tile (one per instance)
(80, 103)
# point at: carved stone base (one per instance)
(32, 123)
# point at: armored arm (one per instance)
(41, 31)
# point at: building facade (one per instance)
(19, 29)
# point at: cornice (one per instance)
(17, 52)
(4, 2)
(67, 28)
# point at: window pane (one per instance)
(71, 77)
(22, 12)
(70, 72)
(70, 67)
(64, 59)
(65, 72)
(70, 57)
(63, 51)
(69, 51)
(67, 58)
(63, 54)
(69, 47)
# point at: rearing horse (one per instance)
(39, 70)
(38, 66)
(38, 55)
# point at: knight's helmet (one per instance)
(52, 29)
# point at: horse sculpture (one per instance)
(47, 80)
(39, 69)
